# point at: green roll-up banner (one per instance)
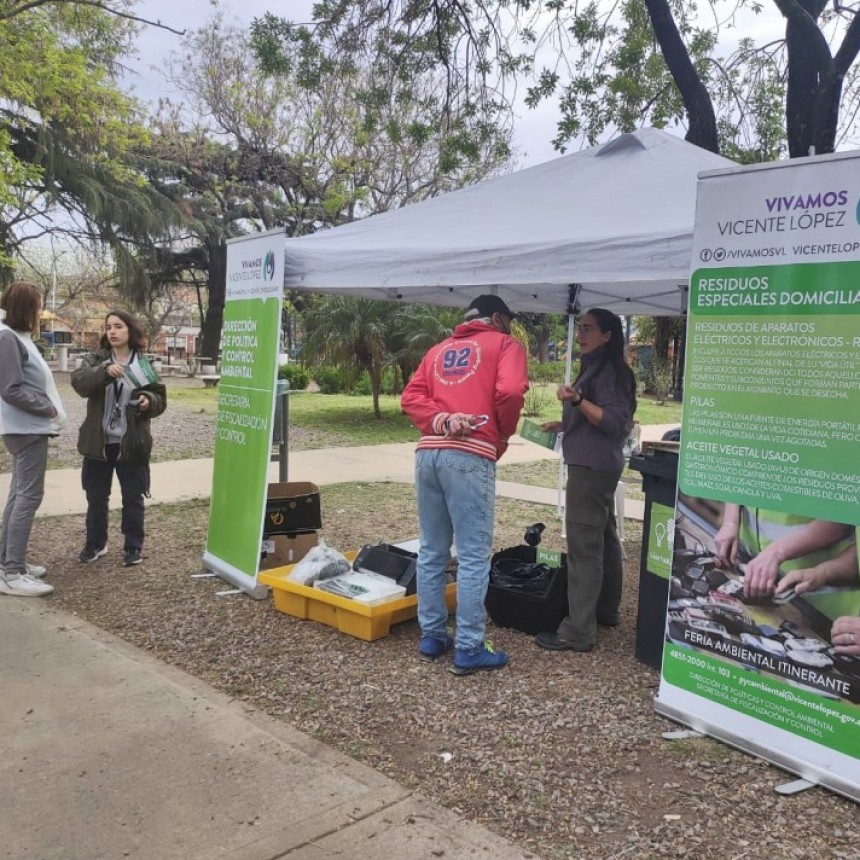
(246, 405)
(769, 440)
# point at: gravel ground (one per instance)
(561, 753)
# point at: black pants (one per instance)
(594, 554)
(96, 479)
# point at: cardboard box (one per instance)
(531, 430)
(292, 507)
(281, 550)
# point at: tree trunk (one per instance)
(210, 335)
(376, 388)
(542, 345)
(681, 357)
(662, 336)
(826, 116)
(697, 101)
(809, 60)
(800, 91)
(825, 113)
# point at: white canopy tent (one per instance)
(611, 226)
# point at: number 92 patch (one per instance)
(457, 361)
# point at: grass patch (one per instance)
(541, 473)
(544, 473)
(648, 411)
(194, 399)
(357, 749)
(352, 418)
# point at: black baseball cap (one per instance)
(486, 306)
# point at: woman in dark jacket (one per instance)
(123, 395)
(597, 417)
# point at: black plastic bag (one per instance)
(512, 573)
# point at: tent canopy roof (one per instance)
(616, 219)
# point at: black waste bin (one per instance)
(659, 470)
(532, 607)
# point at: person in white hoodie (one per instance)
(30, 412)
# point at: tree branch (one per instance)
(96, 4)
(697, 101)
(849, 48)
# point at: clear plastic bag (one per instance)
(633, 442)
(321, 562)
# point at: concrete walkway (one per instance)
(108, 753)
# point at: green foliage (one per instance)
(655, 379)
(367, 335)
(550, 371)
(391, 384)
(659, 332)
(544, 379)
(617, 77)
(750, 96)
(612, 67)
(67, 132)
(540, 330)
(298, 377)
(402, 101)
(322, 135)
(363, 386)
(332, 380)
(415, 329)
(538, 398)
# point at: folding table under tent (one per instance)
(611, 225)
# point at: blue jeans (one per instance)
(456, 495)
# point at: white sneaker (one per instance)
(34, 570)
(24, 586)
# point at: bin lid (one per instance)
(661, 464)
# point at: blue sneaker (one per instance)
(432, 647)
(487, 658)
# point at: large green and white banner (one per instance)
(769, 471)
(246, 405)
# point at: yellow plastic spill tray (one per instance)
(355, 619)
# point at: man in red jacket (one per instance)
(465, 399)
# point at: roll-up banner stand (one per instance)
(771, 441)
(246, 407)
